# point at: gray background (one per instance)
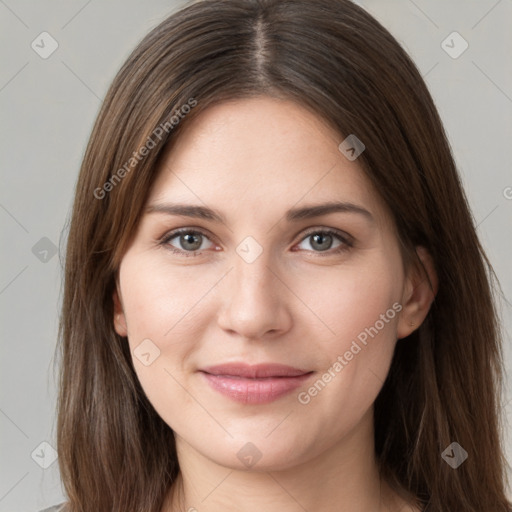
(48, 107)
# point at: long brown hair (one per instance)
(115, 453)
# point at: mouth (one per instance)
(254, 384)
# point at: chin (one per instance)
(256, 454)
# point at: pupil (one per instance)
(318, 240)
(322, 238)
(187, 240)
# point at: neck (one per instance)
(342, 477)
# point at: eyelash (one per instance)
(346, 244)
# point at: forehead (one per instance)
(261, 154)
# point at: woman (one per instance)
(257, 369)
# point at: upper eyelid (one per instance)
(307, 232)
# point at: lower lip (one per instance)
(254, 391)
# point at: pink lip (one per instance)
(257, 384)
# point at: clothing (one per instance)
(55, 508)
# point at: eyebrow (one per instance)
(294, 214)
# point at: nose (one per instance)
(255, 301)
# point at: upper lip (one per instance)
(254, 371)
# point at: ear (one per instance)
(119, 316)
(419, 292)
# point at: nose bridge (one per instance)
(253, 265)
(256, 302)
(253, 280)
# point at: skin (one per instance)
(295, 304)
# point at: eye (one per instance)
(189, 241)
(322, 240)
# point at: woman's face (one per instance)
(271, 283)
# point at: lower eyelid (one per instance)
(171, 236)
(346, 241)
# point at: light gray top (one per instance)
(55, 508)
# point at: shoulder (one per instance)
(55, 508)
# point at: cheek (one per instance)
(165, 313)
(160, 304)
(350, 299)
(337, 307)
(359, 312)
(361, 309)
